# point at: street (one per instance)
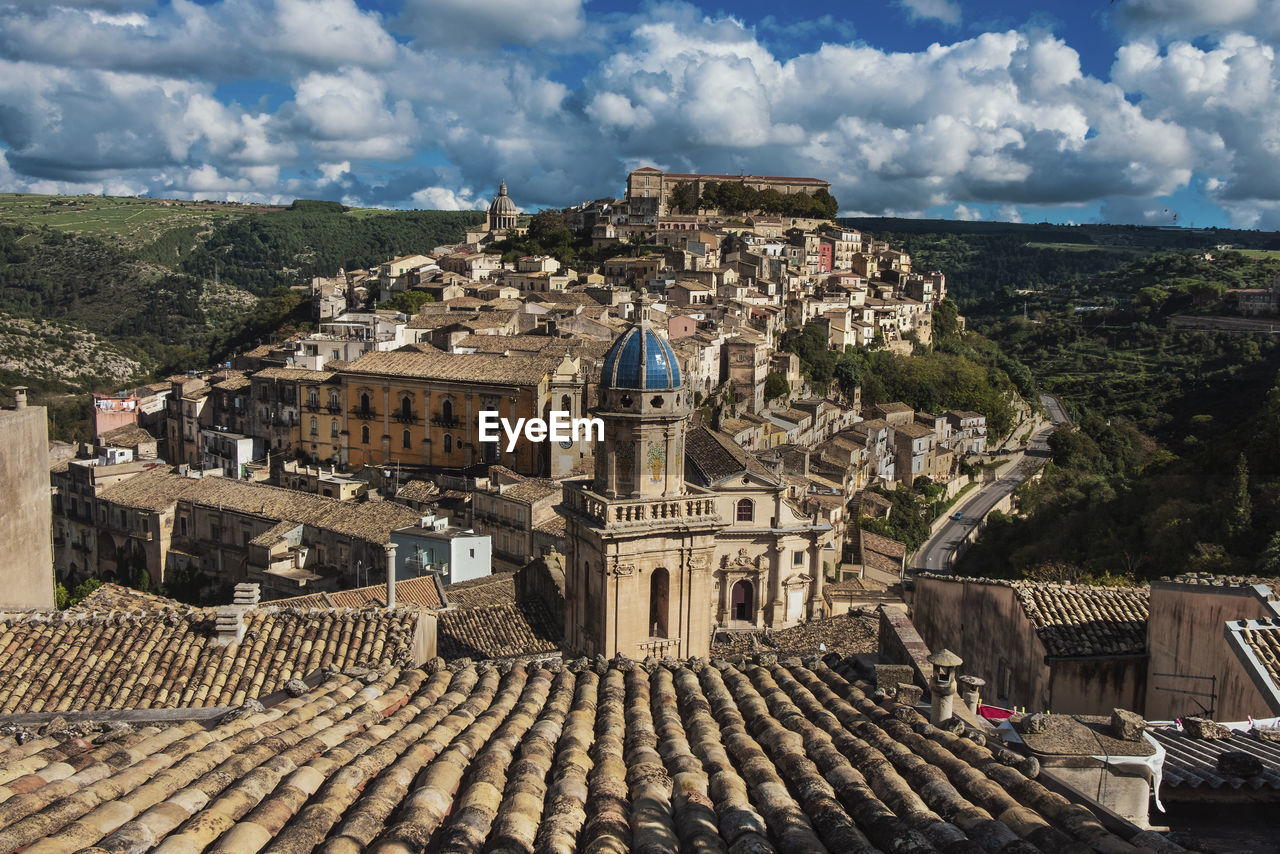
(936, 554)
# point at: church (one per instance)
(680, 531)
(499, 221)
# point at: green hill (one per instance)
(164, 286)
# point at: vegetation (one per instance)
(776, 386)
(961, 371)
(735, 197)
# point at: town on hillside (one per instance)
(728, 620)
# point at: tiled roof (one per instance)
(882, 553)
(1079, 619)
(532, 489)
(421, 591)
(495, 589)
(516, 369)
(788, 757)
(1264, 641)
(1193, 762)
(126, 436)
(418, 490)
(846, 635)
(294, 375)
(170, 658)
(1208, 579)
(714, 457)
(155, 489)
(555, 526)
(497, 631)
(116, 597)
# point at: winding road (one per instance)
(937, 554)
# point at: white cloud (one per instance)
(445, 199)
(944, 11)
(967, 214)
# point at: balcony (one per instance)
(407, 417)
(660, 647)
(365, 414)
(438, 421)
(312, 406)
(639, 512)
(334, 408)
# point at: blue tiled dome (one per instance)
(640, 359)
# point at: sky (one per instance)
(1123, 111)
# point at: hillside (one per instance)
(124, 289)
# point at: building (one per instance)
(509, 509)
(421, 408)
(27, 564)
(434, 547)
(1062, 648)
(679, 530)
(650, 183)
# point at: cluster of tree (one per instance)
(912, 511)
(260, 252)
(549, 235)
(962, 372)
(735, 197)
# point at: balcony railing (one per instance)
(641, 511)
(334, 408)
(365, 414)
(440, 421)
(659, 647)
(312, 406)
(407, 417)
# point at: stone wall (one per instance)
(26, 513)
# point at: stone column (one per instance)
(390, 549)
(970, 690)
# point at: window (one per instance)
(333, 428)
(364, 402)
(797, 559)
(448, 443)
(746, 510)
(472, 552)
(182, 525)
(364, 434)
(406, 440)
(313, 397)
(446, 412)
(333, 400)
(315, 428)
(406, 407)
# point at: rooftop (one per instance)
(168, 657)
(690, 756)
(1078, 619)
(485, 368)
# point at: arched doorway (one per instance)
(659, 587)
(741, 601)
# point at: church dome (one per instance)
(502, 204)
(640, 359)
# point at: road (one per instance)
(936, 554)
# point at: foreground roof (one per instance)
(171, 658)
(697, 756)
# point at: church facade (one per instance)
(679, 531)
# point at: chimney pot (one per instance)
(20, 397)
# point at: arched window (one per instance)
(313, 397)
(446, 412)
(333, 428)
(364, 403)
(448, 443)
(741, 604)
(364, 434)
(658, 606)
(333, 400)
(406, 406)
(746, 510)
(406, 440)
(315, 428)
(566, 405)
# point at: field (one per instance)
(129, 222)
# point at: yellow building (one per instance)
(422, 408)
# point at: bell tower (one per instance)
(640, 540)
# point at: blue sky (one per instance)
(1142, 111)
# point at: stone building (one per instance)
(1065, 648)
(27, 564)
(680, 530)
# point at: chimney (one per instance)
(20, 397)
(942, 687)
(230, 625)
(970, 691)
(247, 595)
(390, 549)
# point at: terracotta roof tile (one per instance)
(705, 757)
(170, 658)
(421, 591)
(497, 631)
(516, 369)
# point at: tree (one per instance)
(776, 386)
(1240, 508)
(1269, 560)
(682, 198)
(411, 301)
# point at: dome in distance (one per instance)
(640, 359)
(502, 203)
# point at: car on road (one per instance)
(958, 515)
